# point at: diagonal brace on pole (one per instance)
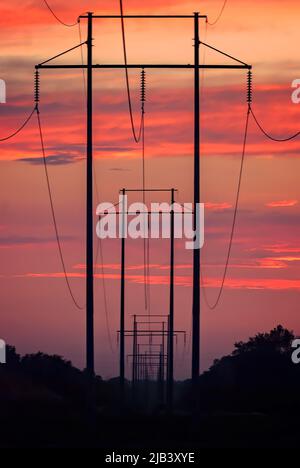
(223, 53)
(63, 53)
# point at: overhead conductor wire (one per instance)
(213, 23)
(279, 140)
(285, 139)
(21, 127)
(214, 305)
(57, 18)
(50, 195)
(138, 136)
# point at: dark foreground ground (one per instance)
(249, 399)
(53, 426)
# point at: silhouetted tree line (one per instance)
(258, 376)
(41, 376)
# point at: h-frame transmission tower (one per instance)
(152, 356)
(90, 67)
(167, 332)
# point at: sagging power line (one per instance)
(214, 305)
(268, 135)
(16, 132)
(136, 134)
(80, 307)
(219, 16)
(57, 17)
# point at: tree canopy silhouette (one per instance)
(277, 340)
(257, 376)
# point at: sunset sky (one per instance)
(263, 284)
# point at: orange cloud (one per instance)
(289, 259)
(256, 283)
(156, 280)
(282, 204)
(186, 281)
(278, 248)
(117, 266)
(217, 206)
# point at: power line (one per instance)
(250, 111)
(50, 194)
(204, 62)
(146, 222)
(57, 18)
(136, 135)
(292, 137)
(100, 251)
(216, 303)
(213, 23)
(36, 109)
(146, 241)
(20, 128)
(53, 212)
(105, 297)
(82, 59)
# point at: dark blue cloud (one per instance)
(53, 160)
